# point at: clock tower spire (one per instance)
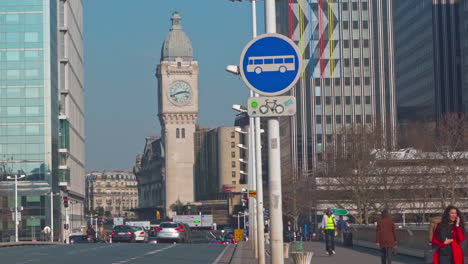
(177, 76)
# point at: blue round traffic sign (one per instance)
(270, 64)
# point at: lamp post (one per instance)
(52, 194)
(16, 177)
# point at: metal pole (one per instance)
(244, 220)
(260, 220)
(16, 209)
(258, 250)
(51, 216)
(276, 212)
(238, 221)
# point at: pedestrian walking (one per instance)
(342, 228)
(386, 237)
(329, 225)
(448, 236)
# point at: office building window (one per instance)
(358, 119)
(233, 164)
(233, 182)
(368, 119)
(318, 100)
(346, 43)
(364, 6)
(327, 100)
(319, 139)
(345, 24)
(328, 118)
(347, 81)
(233, 154)
(338, 100)
(355, 6)
(367, 80)
(357, 81)
(233, 145)
(356, 43)
(183, 132)
(329, 138)
(233, 134)
(366, 43)
(356, 62)
(317, 82)
(338, 119)
(327, 81)
(368, 99)
(233, 174)
(348, 100)
(348, 119)
(355, 24)
(345, 6)
(337, 81)
(357, 100)
(346, 62)
(177, 133)
(365, 24)
(366, 61)
(319, 119)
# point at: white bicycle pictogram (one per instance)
(272, 106)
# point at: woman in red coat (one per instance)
(448, 236)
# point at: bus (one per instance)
(271, 64)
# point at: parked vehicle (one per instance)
(173, 232)
(123, 233)
(141, 234)
(78, 239)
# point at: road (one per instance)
(116, 253)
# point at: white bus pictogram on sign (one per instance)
(271, 64)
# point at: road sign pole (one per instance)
(274, 163)
(51, 216)
(259, 198)
(16, 209)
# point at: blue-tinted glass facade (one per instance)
(28, 110)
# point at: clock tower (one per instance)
(177, 76)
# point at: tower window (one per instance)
(233, 145)
(233, 134)
(177, 133)
(233, 174)
(233, 164)
(183, 132)
(233, 154)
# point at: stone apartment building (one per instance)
(115, 192)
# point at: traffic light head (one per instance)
(65, 202)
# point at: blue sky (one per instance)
(122, 48)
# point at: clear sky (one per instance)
(123, 40)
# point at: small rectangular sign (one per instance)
(252, 193)
(239, 234)
(266, 106)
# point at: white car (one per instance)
(141, 234)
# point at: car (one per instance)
(173, 232)
(123, 233)
(78, 239)
(141, 234)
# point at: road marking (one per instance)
(144, 255)
(221, 255)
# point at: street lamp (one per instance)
(16, 202)
(239, 108)
(52, 194)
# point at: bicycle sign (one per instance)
(270, 64)
(271, 106)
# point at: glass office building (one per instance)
(34, 123)
(431, 54)
(348, 78)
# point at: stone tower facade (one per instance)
(177, 76)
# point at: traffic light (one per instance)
(65, 202)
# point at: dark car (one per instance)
(78, 239)
(123, 233)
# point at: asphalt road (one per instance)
(116, 253)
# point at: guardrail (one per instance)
(412, 241)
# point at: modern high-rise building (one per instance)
(348, 77)
(41, 114)
(431, 58)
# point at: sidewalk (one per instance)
(243, 254)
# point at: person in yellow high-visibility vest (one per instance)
(328, 230)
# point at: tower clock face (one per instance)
(180, 92)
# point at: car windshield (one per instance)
(169, 225)
(137, 228)
(122, 228)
